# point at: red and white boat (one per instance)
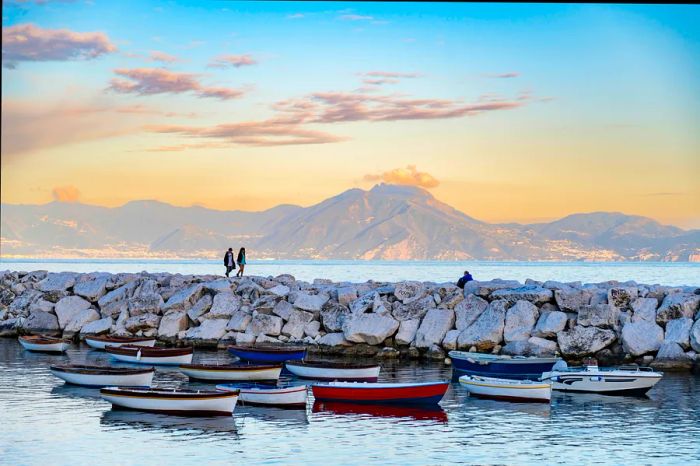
(44, 344)
(100, 342)
(384, 393)
(240, 372)
(288, 397)
(177, 402)
(341, 371)
(104, 376)
(145, 355)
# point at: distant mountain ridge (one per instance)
(385, 222)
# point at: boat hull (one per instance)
(151, 360)
(58, 347)
(272, 356)
(143, 379)
(151, 356)
(501, 389)
(177, 404)
(363, 374)
(410, 394)
(500, 367)
(102, 344)
(632, 384)
(252, 374)
(290, 397)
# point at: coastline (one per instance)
(612, 321)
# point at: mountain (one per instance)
(386, 222)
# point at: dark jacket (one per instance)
(462, 281)
(240, 257)
(233, 263)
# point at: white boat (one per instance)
(240, 372)
(100, 342)
(341, 371)
(44, 344)
(626, 380)
(144, 355)
(289, 397)
(507, 389)
(102, 376)
(177, 402)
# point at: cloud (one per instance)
(295, 16)
(150, 81)
(163, 57)
(229, 61)
(406, 176)
(353, 17)
(379, 82)
(391, 74)
(65, 194)
(27, 42)
(512, 74)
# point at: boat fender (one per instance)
(138, 355)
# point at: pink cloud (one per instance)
(27, 42)
(235, 61)
(149, 81)
(65, 194)
(163, 57)
(406, 176)
(379, 82)
(390, 74)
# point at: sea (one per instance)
(665, 273)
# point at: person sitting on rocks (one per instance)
(467, 277)
(229, 263)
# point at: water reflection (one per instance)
(276, 415)
(161, 423)
(432, 413)
(66, 390)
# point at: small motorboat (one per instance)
(145, 355)
(507, 389)
(104, 376)
(239, 372)
(625, 380)
(500, 366)
(383, 393)
(341, 371)
(287, 397)
(100, 342)
(44, 344)
(177, 402)
(268, 353)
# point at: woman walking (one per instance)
(241, 262)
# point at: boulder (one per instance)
(407, 332)
(142, 322)
(333, 315)
(541, 347)
(678, 331)
(280, 291)
(145, 303)
(40, 322)
(239, 321)
(534, 294)
(224, 305)
(61, 281)
(210, 331)
(516, 348)
(598, 315)
(310, 302)
(283, 309)
(434, 327)
(312, 329)
(572, 299)
(584, 341)
(69, 307)
(450, 340)
(97, 327)
(520, 320)
(43, 305)
(264, 339)
(79, 320)
(334, 339)
(295, 325)
(622, 297)
(200, 308)
(185, 298)
(671, 356)
(172, 323)
(407, 292)
(485, 288)
(414, 309)
(218, 286)
(677, 305)
(487, 331)
(363, 303)
(372, 329)
(112, 303)
(21, 303)
(286, 279)
(644, 309)
(265, 324)
(91, 290)
(346, 295)
(549, 324)
(468, 310)
(245, 339)
(695, 336)
(641, 337)
(8, 327)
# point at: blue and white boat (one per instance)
(268, 354)
(498, 366)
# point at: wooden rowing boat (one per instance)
(507, 389)
(100, 342)
(383, 393)
(239, 372)
(44, 344)
(177, 402)
(287, 397)
(268, 354)
(320, 370)
(145, 355)
(104, 376)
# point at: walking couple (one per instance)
(230, 264)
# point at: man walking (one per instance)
(229, 263)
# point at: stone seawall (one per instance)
(614, 322)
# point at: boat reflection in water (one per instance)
(280, 416)
(74, 391)
(172, 425)
(419, 413)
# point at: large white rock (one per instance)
(56, 282)
(333, 315)
(148, 302)
(172, 323)
(414, 309)
(583, 341)
(97, 327)
(68, 307)
(283, 309)
(487, 331)
(200, 308)
(91, 290)
(280, 291)
(372, 329)
(572, 299)
(678, 331)
(520, 320)
(644, 309)
(434, 327)
(549, 324)
(312, 329)
(468, 310)
(184, 298)
(218, 286)
(408, 292)
(79, 320)
(334, 339)
(641, 337)
(223, 306)
(265, 324)
(677, 305)
(407, 332)
(695, 336)
(211, 330)
(142, 322)
(534, 294)
(245, 338)
(485, 288)
(310, 302)
(113, 303)
(541, 347)
(449, 343)
(672, 352)
(40, 322)
(598, 315)
(239, 321)
(347, 295)
(363, 303)
(296, 324)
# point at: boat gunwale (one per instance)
(150, 352)
(43, 339)
(109, 339)
(231, 367)
(332, 365)
(161, 394)
(99, 370)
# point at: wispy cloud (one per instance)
(512, 74)
(232, 61)
(406, 176)
(295, 16)
(65, 194)
(355, 17)
(163, 57)
(27, 42)
(391, 74)
(149, 81)
(665, 194)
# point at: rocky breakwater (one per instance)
(614, 322)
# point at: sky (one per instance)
(510, 113)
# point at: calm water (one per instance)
(47, 422)
(359, 271)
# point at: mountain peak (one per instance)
(386, 189)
